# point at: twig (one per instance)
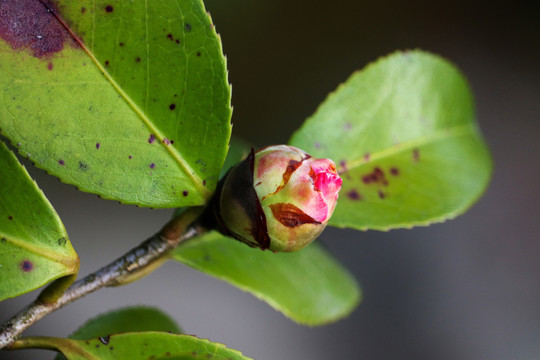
(121, 271)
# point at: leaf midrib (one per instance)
(159, 136)
(456, 131)
(67, 261)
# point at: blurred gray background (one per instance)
(465, 289)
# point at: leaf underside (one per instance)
(403, 135)
(34, 247)
(308, 286)
(128, 100)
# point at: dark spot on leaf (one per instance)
(151, 139)
(170, 37)
(375, 177)
(394, 171)
(177, 41)
(109, 8)
(152, 165)
(34, 25)
(172, 141)
(111, 348)
(26, 265)
(106, 62)
(290, 215)
(381, 194)
(204, 182)
(97, 345)
(50, 66)
(354, 195)
(130, 157)
(104, 339)
(19, 144)
(137, 59)
(3, 240)
(61, 162)
(10, 217)
(121, 44)
(83, 166)
(62, 241)
(98, 145)
(83, 10)
(198, 53)
(188, 27)
(416, 154)
(172, 106)
(185, 193)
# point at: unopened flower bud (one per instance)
(279, 198)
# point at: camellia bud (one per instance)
(279, 198)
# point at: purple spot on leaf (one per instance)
(98, 145)
(367, 156)
(50, 66)
(151, 139)
(375, 177)
(61, 162)
(109, 8)
(354, 195)
(416, 154)
(33, 25)
(381, 194)
(394, 171)
(185, 193)
(152, 165)
(130, 157)
(26, 265)
(166, 141)
(172, 106)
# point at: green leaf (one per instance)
(308, 286)
(403, 134)
(134, 346)
(129, 319)
(34, 247)
(128, 100)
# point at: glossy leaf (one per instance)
(308, 286)
(135, 346)
(34, 247)
(128, 100)
(404, 136)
